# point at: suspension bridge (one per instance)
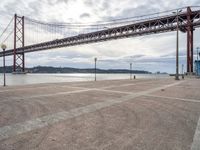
(24, 35)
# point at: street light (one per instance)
(198, 48)
(131, 71)
(197, 64)
(182, 71)
(95, 69)
(3, 46)
(177, 43)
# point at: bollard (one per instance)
(182, 76)
(134, 77)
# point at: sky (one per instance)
(152, 53)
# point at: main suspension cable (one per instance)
(109, 22)
(6, 27)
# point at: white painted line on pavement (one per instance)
(45, 95)
(113, 91)
(114, 86)
(41, 87)
(174, 98)
(196, 139)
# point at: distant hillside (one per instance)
(47, 69)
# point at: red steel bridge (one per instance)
(29, 35)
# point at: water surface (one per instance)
(23, 79)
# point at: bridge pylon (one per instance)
(189, 30)
(18, 58)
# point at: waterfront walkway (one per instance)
(151, 114)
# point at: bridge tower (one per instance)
(189, 30)
(18, 58)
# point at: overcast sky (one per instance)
(152, 52)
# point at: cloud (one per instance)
(85, 15)
(152, 52)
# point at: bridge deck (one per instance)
(119, 114)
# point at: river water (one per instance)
(23, 79)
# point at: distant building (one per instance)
(197, 67)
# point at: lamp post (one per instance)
(198, 53)
(177, 44)
(95, 69)
(197, 64)
(131, 71)
(3, 46)
(182, 71)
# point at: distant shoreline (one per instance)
(49, 70)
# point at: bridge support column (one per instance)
(189, 42)
(18, 58)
